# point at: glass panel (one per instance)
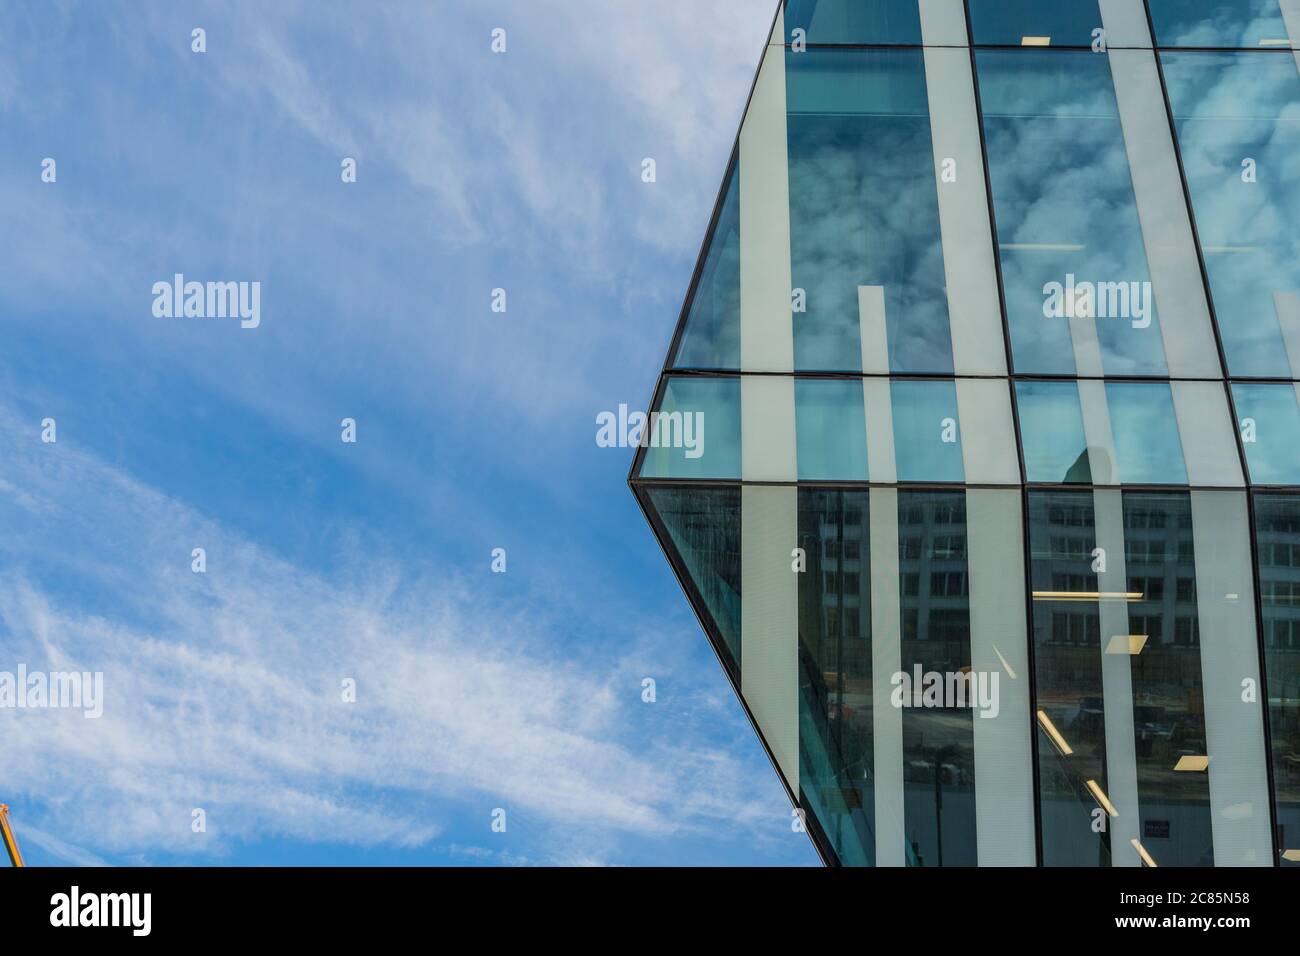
(852, 21)
(1168, 711)
(989, 453)
(938, 740)
(1033, 22)
(703, 527)
(1219, 23)
(1051, 430)
(1277, 530)
(835, 679)
(831, 428)
(1084, 634)
(1269, 419)
(864, 219)
(927, 433)
(1145, 427)
(711, 339)
(1074, 267)
(1072, 740)
(1236, 117)
(695, 431)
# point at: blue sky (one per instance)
(475, 430)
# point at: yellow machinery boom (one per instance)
(7, 833)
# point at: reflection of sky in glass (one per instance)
(863, 208)
(718, 399)
(1051, 428)
(1272, 435)
(1230, 107)
(1146, 433)
(1063, 198)
(852, 21)
(711, 338)
(1243, 23)
(831, 429)
(921, 411)
(1008, 21)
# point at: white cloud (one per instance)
(222, 691)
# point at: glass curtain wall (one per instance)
(988, 379)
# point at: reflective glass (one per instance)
(694, 432)
(927, 432)
(1119, 432)
(1121, 716)
(703, 526)
(1220, 23)
(1051, 429)
(1238, 122)
(1074, 267)
(852, 21)
(831, 429)
(711, 338)
(1277, 533)
(1147, 445)
(938, 741)
(1268, 417)
(835, 679)
(1034, 22)
(864, 222)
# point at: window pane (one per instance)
(1147, 445)
(852, 21)
(1051, 429)
(1074, 268)
(864, 224)
(938, 740)
(703, 527)
(695, 431)
(1220, 23)
(1277, 530)
(1235, 114)
(927, 434)
(835, 678)
(831, 429)
(711, 338)
(1002, 22)
(1269, 419)
(1119, 679)
(1116, 433)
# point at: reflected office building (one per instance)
(977, 447)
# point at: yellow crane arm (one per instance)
(7, 833)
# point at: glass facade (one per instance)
(977, 449)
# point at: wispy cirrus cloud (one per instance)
(223, 690)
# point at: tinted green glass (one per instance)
(1147, 444)
(1268, 417)
(1052, 433)
(694, 432)
(835, 679)
(831, 428)
(1002, 22)
(864, 213)
(938, 741)
(927, 432)
(711, 338)
(703, 526)
(1234, 113)
(852, 21)
(1143, 432)
(1277, 534)
(1219, 23)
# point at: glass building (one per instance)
(977, 446)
